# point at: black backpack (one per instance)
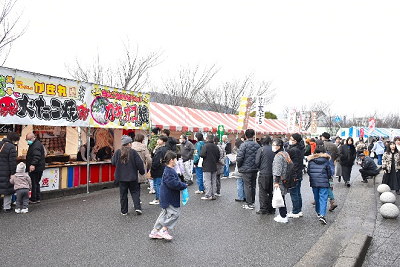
(289, 179)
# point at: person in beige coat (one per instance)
(140, 147)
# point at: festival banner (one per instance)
(371, 126)
(244, 112)
(314, 122)
(291, 121)
(114, 108)
(29, 98)
(260, 110)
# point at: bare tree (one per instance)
(8, 31)
(226, 98)
(131, 72)
(185, 89)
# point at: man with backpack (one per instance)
(296, 153)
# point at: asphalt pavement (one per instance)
(88, 230)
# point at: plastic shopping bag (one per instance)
(185, 196)
(277, 199)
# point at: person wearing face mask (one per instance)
(187, 150)
(279, 168)
(296, 153)
(35, 165)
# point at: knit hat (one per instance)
(296, 137)
(126, 139)
(21, 167)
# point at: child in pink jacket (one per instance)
(22, 183)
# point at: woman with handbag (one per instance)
(391, 167)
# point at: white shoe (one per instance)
(199, 192)
(152, 191)
(295, 216)
(17, 210)
(155, 202)
(24, 210)
(280, 219)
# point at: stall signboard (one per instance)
(50, 179)
(114, 108)
(29, 98)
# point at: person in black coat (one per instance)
(368, 167)
(347, 155)
(264, 160)
(210, 154)
(8, 163)
(35, 165)
(128, 162)
(171, 142)
(157, 167)
(296, 153)
(246, 162)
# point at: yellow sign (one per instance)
(51, 89)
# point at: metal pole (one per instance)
(88, 160)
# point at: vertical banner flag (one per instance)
(362, 133)
(291, 123)
(371, 125)
(244, 112)
(314, 122)
(260, 110)
(302, 121)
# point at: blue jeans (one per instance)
(157, 184)
(321, 199)
(226, 167)
(199, 178)
(240, 189)
(380, 159)
(295, 194)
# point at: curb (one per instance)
(346, 241)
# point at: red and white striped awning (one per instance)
(195, 120)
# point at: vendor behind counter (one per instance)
(83, 152)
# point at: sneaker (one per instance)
(124, 213)
(213, 198)
(152, 191)
(248, 207)
(348, 184)
(339, 179)
(364, 181)
(17, 210)
(155, 202)
(164, 234)
(155, 235)
(138, 212)
(206, 198)
(295, 215)
(24, 210)
(318, 215)
(6, 210)
(199, 192)
(280, 219)
(322, 219)
(240, 200)
(218, 194)
(261, 212)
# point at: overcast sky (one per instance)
(346, 52)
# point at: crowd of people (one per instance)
(168, 172)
